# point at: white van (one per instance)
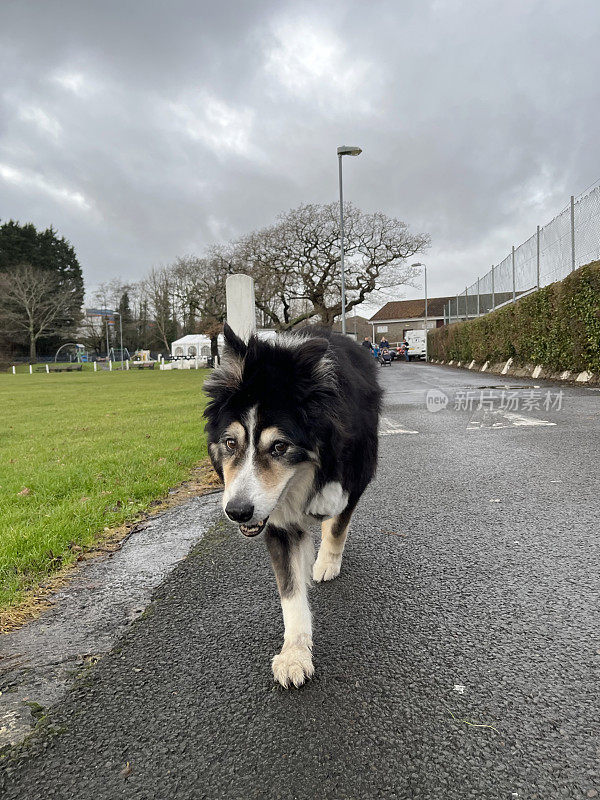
(416, 344)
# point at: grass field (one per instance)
(83, 451)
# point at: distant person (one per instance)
(405, 346)
(384, 343)
(367, 343)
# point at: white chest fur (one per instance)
(329, 502)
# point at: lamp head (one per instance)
(347, 150)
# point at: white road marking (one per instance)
(506, 419)
(389, 427)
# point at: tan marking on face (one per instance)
(237, 431)
(275, 475)
(268, 436)
(229, 471)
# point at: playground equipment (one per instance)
(81, 354)
(118, 354)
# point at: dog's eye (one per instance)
(280, 448)
(230, 444)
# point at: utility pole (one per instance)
(572, 233)
(537, 258)
(513, 275)
(345, 150)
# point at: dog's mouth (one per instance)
(253, 530)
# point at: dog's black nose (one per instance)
(239, 510)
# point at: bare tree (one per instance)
(296, 262)
(159, 286)
(200, 291)
(33, 303)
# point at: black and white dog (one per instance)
(292, 431)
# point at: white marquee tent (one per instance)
(191, 351)
(194, 345)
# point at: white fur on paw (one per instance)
(293, 665)
(329, 502)
(326, 568)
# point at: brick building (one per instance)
(400, 316)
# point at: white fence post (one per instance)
(127, 364)
(14, 370)
(241, 313)
(31, 369)
(110, 366)
(47, 368)
(95, 366)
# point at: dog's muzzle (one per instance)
(253, 530)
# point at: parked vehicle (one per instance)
(416, 344)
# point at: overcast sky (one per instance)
(146, 130)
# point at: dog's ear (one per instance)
(310, 352)
(233, 343)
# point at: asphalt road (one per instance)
(457, 655)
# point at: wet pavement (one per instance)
(457, 655)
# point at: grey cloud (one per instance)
(142, 131)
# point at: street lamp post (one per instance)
(120, 334)
(344, 150)
(418, 264)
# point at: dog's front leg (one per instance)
(291, 555)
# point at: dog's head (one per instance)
(270, 405)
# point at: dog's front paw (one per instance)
(293, 665)
(326, 568)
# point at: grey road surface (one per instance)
(457, 655)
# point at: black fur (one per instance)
(280, 544)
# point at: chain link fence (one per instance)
(569, 241)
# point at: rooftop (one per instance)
(410, 309)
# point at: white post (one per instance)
(14, 370)
(95, 366)
(110, 366)
(31, 369)
(47, 368)
(127, 365)
(241, 314)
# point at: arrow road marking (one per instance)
(505, 419)
(389, 427)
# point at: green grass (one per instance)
(80, 452)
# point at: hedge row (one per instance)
(558, 327)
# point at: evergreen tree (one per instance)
(45, 251)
